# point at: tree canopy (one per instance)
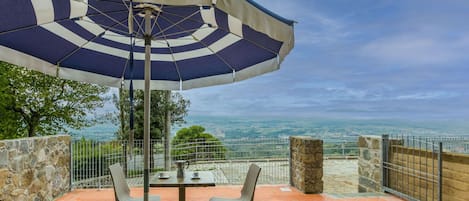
(194, 143)
(177, 106)
(34, 104)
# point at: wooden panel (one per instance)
(415, 163)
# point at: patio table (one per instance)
(205, 179)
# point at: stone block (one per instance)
(27, 177)
(362, 142)
(365, 154)
(24, 146)
(41, 156)
(315, 186)
(4, 175)
(17, 192)
(376, 143)
(362, 189)
(36, 186)
(4, 158)
(63, 160)
(369, 184)
(313, 174)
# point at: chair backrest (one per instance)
(121, 189)
(249, 187)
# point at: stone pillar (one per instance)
(306, 155)
(369, 163)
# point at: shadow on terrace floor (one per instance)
(263, 192)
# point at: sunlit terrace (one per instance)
(263, 192)
(78, 170)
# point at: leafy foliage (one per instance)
(33, 104)
(194, 144)
(177, 106)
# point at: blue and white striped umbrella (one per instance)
(150, 44)
(194, 43)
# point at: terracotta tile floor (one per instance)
(263, 192)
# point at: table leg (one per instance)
(182, 193)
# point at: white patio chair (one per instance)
(249, 187)
(121, 189)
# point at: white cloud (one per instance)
(428, 96)
(417, 49)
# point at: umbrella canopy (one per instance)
(195, 43)
(152, 44)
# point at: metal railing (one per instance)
(340, 147)
(91, 159)
(228, 159)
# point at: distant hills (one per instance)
(249, 127)
(254, 127)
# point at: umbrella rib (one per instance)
(116, 2)
(108, 27)
(254, 43)
(180, 32)
(140, 28)
(191, 19)
(206, 46)
(216, 54)
(110, 12)
(104, 14)
(123, 2)
(56, 21)
(156, 20)
(250, 41)
(258, 45)
(177, 23)
(172, 56)
(30, 27)
(80, 47)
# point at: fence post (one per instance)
(385, 160)
(196, 150)
(71, 165)
(440, 171)
(343, 149)
(99, 165)
(167, 154)
(124, 148)
(289, 161)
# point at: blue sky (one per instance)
(394, 59)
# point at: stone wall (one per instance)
(369, 164)
(306, 164)
(34, 169)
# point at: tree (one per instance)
(194, 144)
(35, 104)
(176, 105)
(166, 109)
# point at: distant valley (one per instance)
(254, 127)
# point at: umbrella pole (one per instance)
(146, 118)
